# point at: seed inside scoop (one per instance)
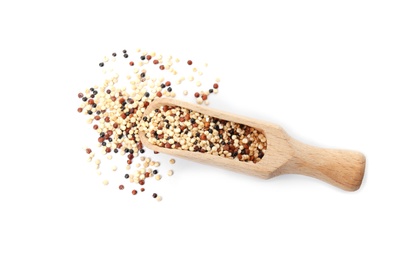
(184, 129)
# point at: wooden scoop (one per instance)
(344, 169)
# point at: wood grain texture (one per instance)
(344, 169)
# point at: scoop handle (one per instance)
(341, 168)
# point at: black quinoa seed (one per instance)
(126, 176)
(101, 64)
(114, 54)
(84, 99)
(126, 55)
(142, 57)
(169, 89)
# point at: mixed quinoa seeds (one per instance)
(183, 129)
(115, 109)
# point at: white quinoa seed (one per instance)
(105, 182)
(114, 168)
(185, 92)
(172, 161)
(198, 83)
(170, 172)
(159, 198)
(158, 177)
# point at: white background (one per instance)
(327, 71)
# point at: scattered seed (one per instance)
(105, 182)
(116, 112)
